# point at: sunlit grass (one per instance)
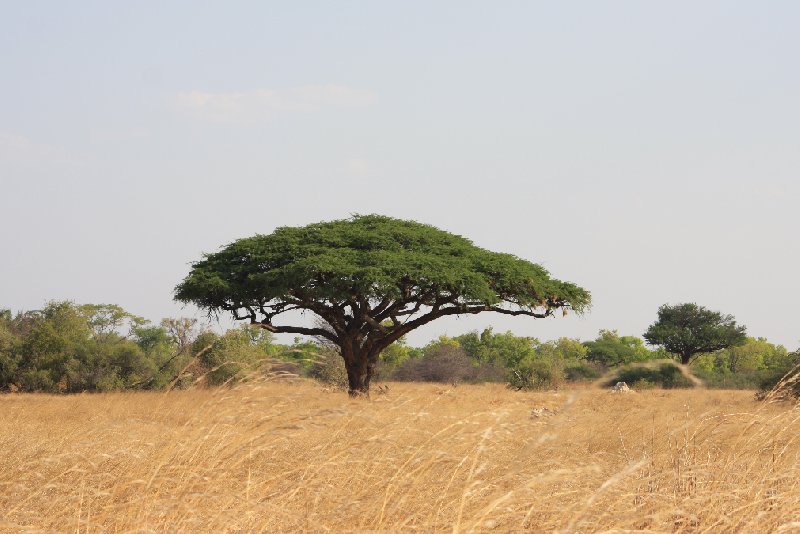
(295, 457)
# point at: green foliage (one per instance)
(688, 330)
(227, 357)
(610, 349)
(170, 345)
(301, 352)
(109, 318)
(505, 350)
(396, 354)
(9, 354)
(665, 375)
(551, 364)
(751, 365)
(32, 379)
(644, 383)
(563, 349)
(370, 280)
(577, 371)
(68, 348)
(104, 364)
(446, 361)
(55, 342)
(152, 338)
(753, 355)
(535, 373)
(372, 256)
(716, 379)
(529, 363)
(437, 344)
(784, 375)
(235, 356)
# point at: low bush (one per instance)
(716, 379)
(328, 368)
(449, 364)
(577, 371)
(782, 383)
(643, 383)
(665, 375)
(537, 374)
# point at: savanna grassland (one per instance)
(293, 456)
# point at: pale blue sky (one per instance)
(648, 152)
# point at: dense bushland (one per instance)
(66, 347)
(70, 348)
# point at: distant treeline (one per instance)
(67, 347)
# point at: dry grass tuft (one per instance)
(283, 457)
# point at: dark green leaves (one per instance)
(689, 329)
(369, 257)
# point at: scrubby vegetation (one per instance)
(66, 347)
(73, 348)
(665, 375)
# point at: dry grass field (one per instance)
(294, 457)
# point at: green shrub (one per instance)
(230, 358)
(643, 383)
(37, 380)
(724, 379)
(782, 382)
(109, 382)
(537, 374)
(665, 375)
(576, 371)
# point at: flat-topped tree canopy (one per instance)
(371, 279)
(689, 330)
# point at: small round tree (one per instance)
(689, 330)
(371, 280)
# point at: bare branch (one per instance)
(317, 332)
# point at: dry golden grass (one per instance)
(280, 457)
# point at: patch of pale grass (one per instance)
(282, 457)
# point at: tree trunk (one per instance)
(685, 358)
(359, 372)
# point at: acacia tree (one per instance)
(371, 280)
(689, 330)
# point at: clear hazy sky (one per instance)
(649, 152)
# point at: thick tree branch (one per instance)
(399, 330)
(382, 306)
(319, 332)
(530, 313)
